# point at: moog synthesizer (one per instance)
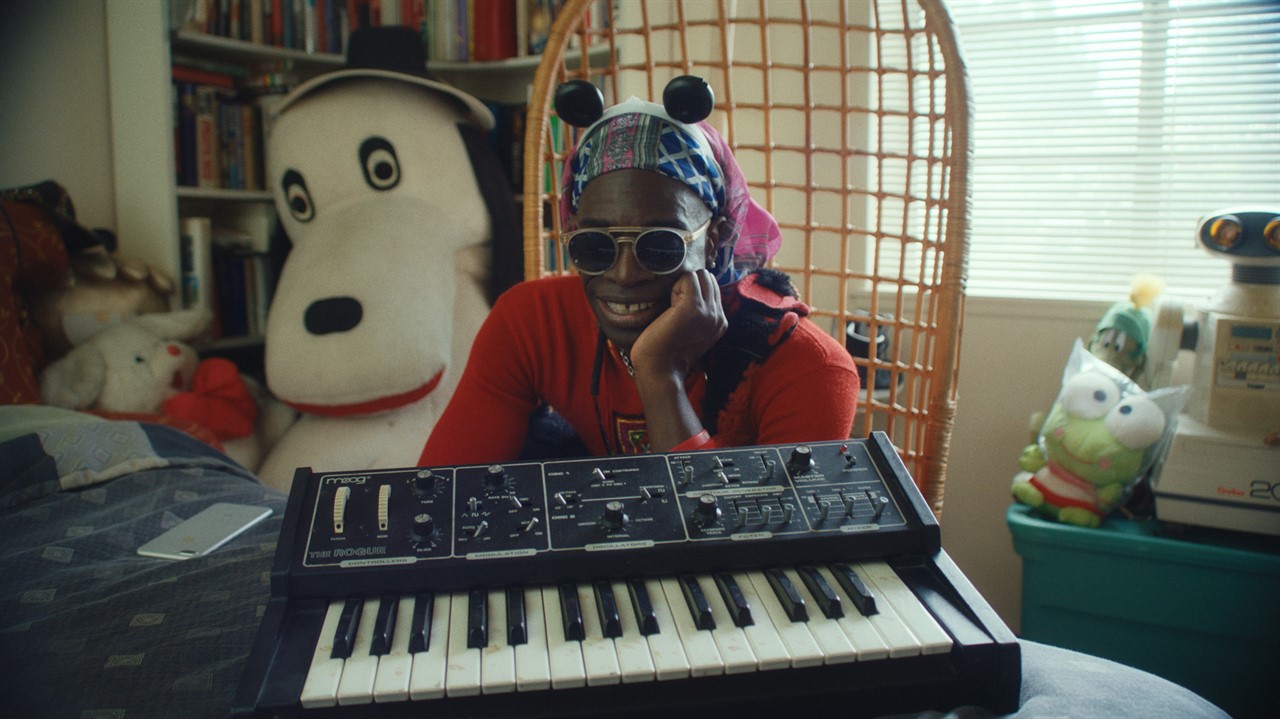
(755, 579)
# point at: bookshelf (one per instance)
(142, 45)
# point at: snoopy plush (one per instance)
(403, 230)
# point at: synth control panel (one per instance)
(445, 522)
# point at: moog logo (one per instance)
(347, 479)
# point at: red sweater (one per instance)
(537, 346)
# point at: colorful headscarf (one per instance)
(641, 135)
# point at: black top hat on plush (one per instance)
(392, 52)
(393, 47)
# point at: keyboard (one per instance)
(745, 579)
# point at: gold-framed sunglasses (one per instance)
(658, 250)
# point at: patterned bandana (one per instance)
(640, 135)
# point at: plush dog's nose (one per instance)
(333, 314)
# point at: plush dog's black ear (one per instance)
(579, 103)
(689, 99)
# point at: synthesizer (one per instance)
(734, 579)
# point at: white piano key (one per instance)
(321, 686)
(462, 676)
(598, 653)
(498, 660)
(933, 638)
(394, 667)
(634, 661)
(563, 657)
(732, 642)
(795, 636)
(665, 648)
(770, 652)
(826, 631)
(866, 641)
(533, 669)
(699, 646)
(902, 643)
(356, 686)
(427, 678)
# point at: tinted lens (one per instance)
(660, 250)
(592, 251)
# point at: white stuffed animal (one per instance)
(140, 366)
(132, 366)
(384, 188)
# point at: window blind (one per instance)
(1104, 130)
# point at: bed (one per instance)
(91, 630)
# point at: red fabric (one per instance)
(373, 406)
(34, 261)
(538, 345)
(218, 400)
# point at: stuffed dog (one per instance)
(402, 229)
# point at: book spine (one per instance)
(187, 135)
(197, 263)
(208, 172)
(251, 133)
(200, 76)
(256, 30)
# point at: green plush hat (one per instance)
(1129, 319)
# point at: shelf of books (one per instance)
(232, 60)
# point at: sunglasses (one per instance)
(658, 250)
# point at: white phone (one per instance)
(206, 531)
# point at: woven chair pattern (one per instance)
(850, 119)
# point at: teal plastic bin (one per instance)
(1201, 611)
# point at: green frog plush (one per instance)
(1095, 444)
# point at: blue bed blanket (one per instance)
(90, 629)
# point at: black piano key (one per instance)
(571, 613)
(345, 637)
(697, 601)
(739, 609)
(822, 591)
(478, 619)
(517, 623)
(646, 617)
(792, 602)
(385, 626)
(857, 592)
(607, 606)
(420, 629)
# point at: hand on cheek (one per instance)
(681, 335)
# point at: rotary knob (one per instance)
(615, 516)
(801, 459)
(707, 511)
(425, 483)
(495, 477)
(424, 527)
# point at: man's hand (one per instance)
(681, 335)
(668, 349)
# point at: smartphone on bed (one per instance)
(211, 528)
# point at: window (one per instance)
(1104, 130)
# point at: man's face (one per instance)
(627, 298)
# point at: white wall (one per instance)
(54, 107)
(55, 124)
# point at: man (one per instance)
(664, 342)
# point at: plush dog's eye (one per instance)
(139, 359)
(379, 163)
(297, 197)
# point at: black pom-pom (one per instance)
(688, 98)
(579, 103)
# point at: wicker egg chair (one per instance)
(850, 119)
